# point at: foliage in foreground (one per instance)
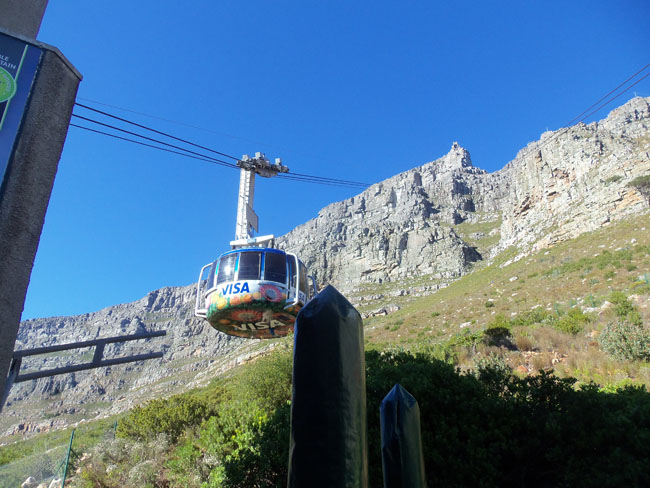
(489, 428)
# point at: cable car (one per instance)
(253, 290)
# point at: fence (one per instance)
(52, 463)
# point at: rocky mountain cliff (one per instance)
(432, 222)
(576, 180)
(569, 182)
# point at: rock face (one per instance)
(402, 226)
(433, 221)
(569, 182)
(576, 180)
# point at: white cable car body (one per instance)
(253, 290)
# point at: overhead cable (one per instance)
(155, 131)
(588, 112)
(140, 143)
(223, 163)
(202, 157)
(299, 176)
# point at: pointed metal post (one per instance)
(401, 442)
(328, 447)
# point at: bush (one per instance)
(488, 429)
(164, 416)
(573, 322)
(492, 429)
(245, 442)
(531, 317)
(497, 336)
(613, 179)
(123, 462)
(623, 308)
(626, 341)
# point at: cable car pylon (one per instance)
(247, 220)
(253, 290)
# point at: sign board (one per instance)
(19, 65)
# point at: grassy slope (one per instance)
(578, 273)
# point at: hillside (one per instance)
(432, 257)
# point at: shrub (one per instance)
(623, 308)
(499, 320)
(524, 343)
(531, 317)
(613, 179)
(467, 339)
(265, 381)
(626, 341)
(170, 416)
(487, 429)
(642, 184)
(489, 304)
(124, 462)
(497, 336)
(573, 322)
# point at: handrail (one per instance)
(296, 299)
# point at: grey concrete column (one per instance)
(22, 17)
(27, 186)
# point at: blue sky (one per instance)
(352, 90)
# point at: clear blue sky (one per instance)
(353, 90)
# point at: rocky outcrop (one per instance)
(576, 180)
(570, 181)
(400, 227)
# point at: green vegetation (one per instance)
(530, 371)
(626, 338)
(554, 303)
(482, 234)
(170, 416)
(613, 179)
(85, 437)
(487, 428)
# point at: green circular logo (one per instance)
(7, 85)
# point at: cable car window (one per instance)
(304, 286)
(275, 267)
(292, 271)
(249, 266)
(227, 268)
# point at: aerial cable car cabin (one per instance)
(253, 290)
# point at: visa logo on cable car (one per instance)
(234, 288)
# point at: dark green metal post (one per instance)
(401, 441)
(67, 460)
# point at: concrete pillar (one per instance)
(22, 17)
(31, 165)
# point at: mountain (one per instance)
(413, 234)
(569, 182)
